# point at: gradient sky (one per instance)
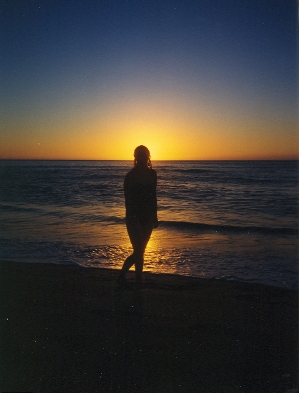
(92, 79)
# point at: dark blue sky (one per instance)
(68, 62)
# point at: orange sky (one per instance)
(195, 82)
(169, 131)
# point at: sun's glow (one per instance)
(172, 130)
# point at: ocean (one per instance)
(230, 220)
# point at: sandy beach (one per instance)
(70, 329)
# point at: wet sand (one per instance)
(70, 329)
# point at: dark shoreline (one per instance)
(70, 329)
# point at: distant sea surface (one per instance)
(231, 220)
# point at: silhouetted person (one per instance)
(141, 209)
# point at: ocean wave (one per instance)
(15, 208)
(77, 212)
(202, 227)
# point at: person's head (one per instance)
(142, 156)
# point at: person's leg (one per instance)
(139, 249)
(139, 267)
(135, 234)
(129, 262)
(139, 234)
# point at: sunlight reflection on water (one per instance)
(231, 257)
(73, 212)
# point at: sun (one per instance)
(161, 145)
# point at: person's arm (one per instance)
(155, 204)
(128, 193)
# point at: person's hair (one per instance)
(141, 153)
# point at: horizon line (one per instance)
(110, 159)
